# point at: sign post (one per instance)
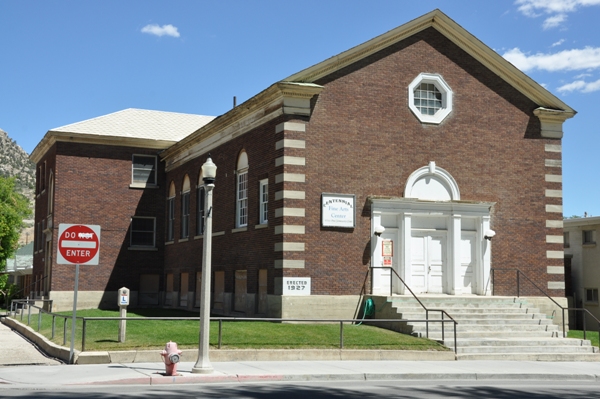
(77, 244)
(123, 301)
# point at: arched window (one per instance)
(432, 183)
(185, 208)
(242, 190)
(171, 213)
(200, 197)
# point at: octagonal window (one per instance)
(430, 98)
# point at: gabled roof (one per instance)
(131, 127)
(455, 33)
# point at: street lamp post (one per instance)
(203, 366)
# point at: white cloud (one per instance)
(566, 60)
(558, 43)
(581, 86)
(165, 30)
(556, 9)
(554, 21)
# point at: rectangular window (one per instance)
(200, 211)
(264, 201)
(591, 295)
(170, 219)
(242, 199)
(588, 237)
(566, 242)
(185, 214)
(143, 231)
(143, 170)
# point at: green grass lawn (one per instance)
(153, 334)
(591, 335)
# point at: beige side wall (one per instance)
(314, 306)
(63, 300)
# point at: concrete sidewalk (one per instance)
(21, 365)
(275, 371)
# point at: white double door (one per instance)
(430, 270)
(428, 260)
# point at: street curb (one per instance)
(240, 378)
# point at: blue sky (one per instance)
(66, 61)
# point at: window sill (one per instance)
(184, 240)
(169, 242)
(261, 226)
(143, 185)
(240, 229)
(142, 249)
(589, 245)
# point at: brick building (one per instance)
(409, 151)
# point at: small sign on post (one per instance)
(123, 302)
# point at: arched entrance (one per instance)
(438, 238)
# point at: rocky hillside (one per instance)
(14, 162)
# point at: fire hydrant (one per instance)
(171, 357)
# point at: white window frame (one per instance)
(185, 215)
(153, 173)
(241, 209)
(143, 231)
(200, 204)
(444, 89)
(170, 219)
(263, 193)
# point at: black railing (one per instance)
(84, 321)
(519, 273)
(442, 312)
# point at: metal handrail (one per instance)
(28, 302)
(235, 319)
(219, 319)
(442, 312)
(519, 272)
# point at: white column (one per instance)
(381, 285)
(405, 238)
(455, 256)
(484, 287)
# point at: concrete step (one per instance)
(482, 320)
(525, 349)
(505, 327)
(449, 333)
(509, 342)
(544, 357)
(474, 311)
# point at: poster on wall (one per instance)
(337, 210)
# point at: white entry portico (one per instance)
(433, 240)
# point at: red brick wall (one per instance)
(363, 139)
(247, 250)
(92, 187)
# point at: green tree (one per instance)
(14, 207)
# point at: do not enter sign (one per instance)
(78, 244)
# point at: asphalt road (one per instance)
(322, 390)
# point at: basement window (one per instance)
(591, 295)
